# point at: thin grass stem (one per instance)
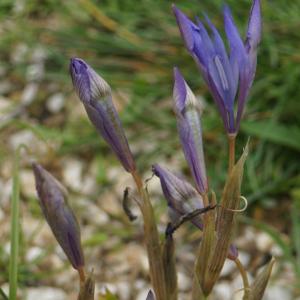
(15, 230)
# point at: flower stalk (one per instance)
(231, 152)
(152, 241)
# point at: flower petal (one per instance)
(189, 128)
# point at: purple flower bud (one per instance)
(182, 199)
(59, 215)
(95, 94)
(224, 74)
(189, 128)
(150, 296)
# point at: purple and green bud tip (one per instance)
(188, 114)
(59, 215)
(150, 296)
(181, 197)
(95, 94)
(228, 75)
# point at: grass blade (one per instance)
(14, 237)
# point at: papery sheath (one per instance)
(59, 215)
(96, 96)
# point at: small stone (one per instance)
(27, 183)
(142, 295)
(139, 284)
(123, 289)
(29, 93)
(277, 292)
(228, 268)
(33, 253)
(222, 291)
(276, 251)
(263, 242)
(45, 293)
(244, 257)
(92, 212)
(39, 54)
(21, 137)
(55, 103)
(72, 173)
(184, 282)
(27, 137)
(35, 72)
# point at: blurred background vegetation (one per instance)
(134, 46)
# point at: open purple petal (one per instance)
(186, 27)
(254, 26)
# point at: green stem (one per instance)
(244, 278)
(231, 144)
(15, 230)
(152, 241)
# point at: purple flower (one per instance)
(95, 94)
(227, 75)
(59, 215)
(189, 128)
(182, 199)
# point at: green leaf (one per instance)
(280, 134)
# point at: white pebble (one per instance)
(29, 93)
(55, 102)
(222, 291)
(184, 283)
(263, 242)
(72, 173)
(277, 292)
(45, 293)
(228, 268)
